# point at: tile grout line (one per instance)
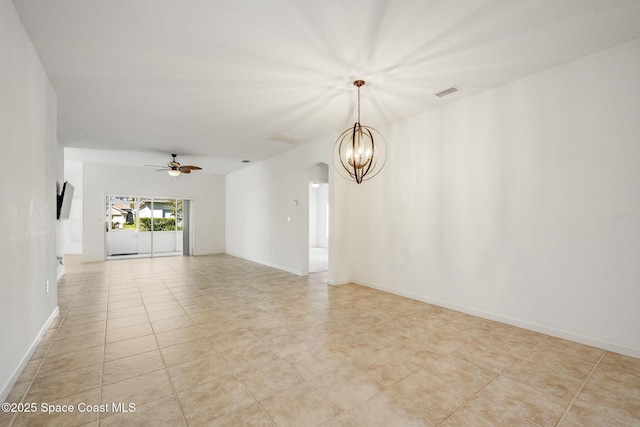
(493, 380)
(166, 369)
(310, 381)
(115, 342)
(104, 349)
(279, 357)
(566, 411)
(212, 347)
(235, 375)
(164, 362)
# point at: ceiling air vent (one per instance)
(448, 91)
(288, 138)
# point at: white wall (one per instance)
(59, 224)
(318, 199)
(208, 192)
(261, 197)
(28, 195)
(72, 227)
(521, 204)
(313, 217)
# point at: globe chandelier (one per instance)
(356, 155)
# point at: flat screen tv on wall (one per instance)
(64, 201)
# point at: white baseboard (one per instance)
(268, 264)
(4, 392)
(280, 267)
(338, 283)
(594, 342)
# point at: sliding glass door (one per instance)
(145, 226)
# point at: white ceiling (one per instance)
(216, 81)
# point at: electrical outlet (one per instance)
(47, 286)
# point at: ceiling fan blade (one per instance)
(175, 166)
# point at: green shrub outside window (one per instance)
(159, 224)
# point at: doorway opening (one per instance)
(144, 227)
(319, 218)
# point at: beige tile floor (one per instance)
(219, 341)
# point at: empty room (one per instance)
(308, 213)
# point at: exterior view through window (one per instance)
(144, 226)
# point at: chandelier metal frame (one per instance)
(360, 152)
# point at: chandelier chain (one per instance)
(358, 104)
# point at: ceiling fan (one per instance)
(175, 169)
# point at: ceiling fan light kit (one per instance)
(356, 154)
(174, 168)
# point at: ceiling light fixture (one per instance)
(174, 168)
(355, 154)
